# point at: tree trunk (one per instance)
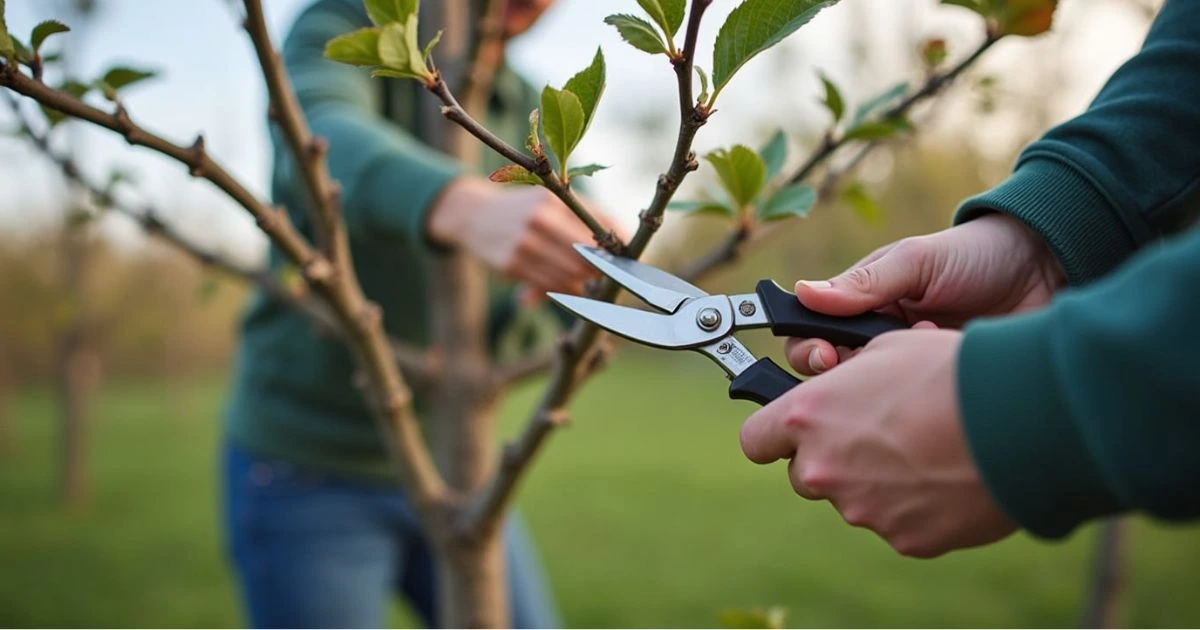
(74, 373)
(8, 433)
(472, 588)
(1105, 603)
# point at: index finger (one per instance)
(768, 435)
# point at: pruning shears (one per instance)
(695, 320)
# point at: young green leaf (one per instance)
(742, 172)
(863, 204)
(774, 154)
(120, 77)
(1026, 18)
(534, 141)
(398, 51)
(869, 107)
(703, 98)
(359, 48)
(793, 201)
(585, 171)
(880, 130)
(977, 6)
(753, 27)
(639, 33)
(7, 49)
(934, 52)
(437, 39)
(514, 174)
(833, 99)
(588, 85)
(562, 122)
(44, 30)
(668, 14)
(384, 12)
(702, 207)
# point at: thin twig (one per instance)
(578, 356)
(729, 248)
(526, 368)
(934, 84)
(456, 113)
(336, 285)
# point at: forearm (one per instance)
(1124, 172)
(1092, 406)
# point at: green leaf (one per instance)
(753, 27)
(585, 171)
(359, 48)
(702, 207)
(75, 88)
(44, 30)
(588, 85)
(869, 107)
(121, 76)
(639, 33)
(668, 14)
(934, 52)
(21, 52)
(428, 50)
(399, 54)
(774, 154)
(878, 130)
(793, 201)
(703, 84)
(562, 122)
(514, 174)
(742, 172)
(833, 99)
(862, 203)
(977, 6)
(384, 12)
(6, 43)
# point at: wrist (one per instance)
(447, 220)
(1038, 248)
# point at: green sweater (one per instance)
(1091, 407)
(293, 396)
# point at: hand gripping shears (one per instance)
(695, 320)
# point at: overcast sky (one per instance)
(210, 83)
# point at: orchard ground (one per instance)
(644, 509)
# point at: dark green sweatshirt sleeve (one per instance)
(389, 179)
(1091, 406)
(1124, 172)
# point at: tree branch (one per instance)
(578, 356)
(521, 370)
(308, 151)
(335, 284)
(455, 112)
(729, 248)
(933, 85)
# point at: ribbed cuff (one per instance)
(1059, 202)
(1020, 430)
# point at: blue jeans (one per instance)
(313, 550)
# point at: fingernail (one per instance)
(816, 362)
(819, 285)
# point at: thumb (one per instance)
(865, 287)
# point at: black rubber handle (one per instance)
(790, 319)
(762, 382)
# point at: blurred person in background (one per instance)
(318, 531)
(1052, 379)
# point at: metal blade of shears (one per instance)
(671, 332)
(654, 286)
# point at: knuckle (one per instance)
(864, 279)
(818, 476)
(913, 547)
(857, 516)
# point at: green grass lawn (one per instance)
(645, 510)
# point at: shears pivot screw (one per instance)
(708, 319)
(746, 308)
